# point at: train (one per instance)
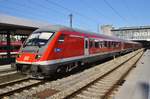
(15, 46)
(59, 49)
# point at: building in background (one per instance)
(106, 29)
(136, 33)
(133, 33)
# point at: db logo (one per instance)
(26, 58)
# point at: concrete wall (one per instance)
(133, 34)
(128, 33)
(106, 29)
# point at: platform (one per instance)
(137, 84)
(5, 67)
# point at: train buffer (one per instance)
(137, 83)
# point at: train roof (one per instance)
(56, 28)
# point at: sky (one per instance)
(87, 14)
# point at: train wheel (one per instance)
(72, 66)
(58, 70)
(61, 70)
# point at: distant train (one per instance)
(58, 49)
(15, 45)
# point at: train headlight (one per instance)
(18, 55)
(37, 56)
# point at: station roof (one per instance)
(131, 28)
(12, 22)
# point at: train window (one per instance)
(100, 44)
(1, 48)
(105, 43)
(86, 44)
(16, 47)
(96, 44)
(45, 35)
(109, 44)
(61, 38)
(117, 44)
(38, 39)
(91, 43)
(112, 44)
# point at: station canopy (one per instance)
(18, 25)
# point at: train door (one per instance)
(86, 46)
(122, 46)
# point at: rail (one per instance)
(10, 88)
(81, 85)
(103, 74)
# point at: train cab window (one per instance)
(38, 39)
(61, 38)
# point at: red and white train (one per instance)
(55, 49)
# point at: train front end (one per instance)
(33, 54)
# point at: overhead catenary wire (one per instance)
(42, 13)
(133, 16)
(29, 9)
(46, 7)
(95, 9)
(18, 10)
(72, 11)
(115, 11)
(60, 12)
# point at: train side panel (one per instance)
(67, 49)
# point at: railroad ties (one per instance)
(102, 86)
(97, 82)
(98, 85)
(17, 86)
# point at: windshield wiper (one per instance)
(38, 44)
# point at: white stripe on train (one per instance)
(49, 62)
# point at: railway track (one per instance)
(10, 76)
(7, 89)
(7, 71)
(100, 88)
(99, 85)
(96, 82)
